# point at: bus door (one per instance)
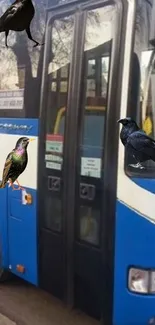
(89, 267)
(54, 147)
(78, 89)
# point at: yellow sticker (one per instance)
(147, 125)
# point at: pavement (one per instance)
(24, 304)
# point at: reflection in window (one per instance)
(147, 95)
(147, 98)
(98, 46)
(53, 86)
(9, 76)
(12, 83)
(105, 72)
(141, 91)
(142, 96)
(58, 68)
(97, 51)
(19, 71)
(58, 77)
(91, 87)
(64, 72)
(63, 86)
(91, 68)
(54, 74)
(89, 225)
(53, 220)
(21, 76)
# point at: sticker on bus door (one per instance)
(54, 151)
(91, 167)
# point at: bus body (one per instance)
(83, 227)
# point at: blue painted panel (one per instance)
(3, 229)
(19, 126)
(134, 245)
(147, 183)
(18, 222)
(22, 233)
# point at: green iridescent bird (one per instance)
(16, 163)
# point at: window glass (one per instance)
(61, 40)
(19, 65)
(98, 37)
(142, 95)
(97, 52)
(58, 78)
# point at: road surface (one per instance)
(24, 304)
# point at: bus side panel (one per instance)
(22, 235)
(134, 246)
(19, 213)
(3, 229)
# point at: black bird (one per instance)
(18, 18)
(16, 163)
(136, 142)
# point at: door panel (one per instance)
(89, 249)
(75, 103)
(52, 208)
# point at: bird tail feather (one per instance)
(1, 27)
(2, 184)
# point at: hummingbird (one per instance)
(18, 18)
(15, 163)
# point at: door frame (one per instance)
(70, 151)
(52, 14)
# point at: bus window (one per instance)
(94, 97)
(12, 84)
(95, 116)
(105, 71)
(20, 70)
(96, 74)
(91, 87)
(91, 82)
(58, 77)
(62, 125)
(144, 113)
(141, 89)
(91, 67)
(92, 141)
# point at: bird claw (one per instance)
(138, 165)
(38, 44)
(15, 189)
(18, 188)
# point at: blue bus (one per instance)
(83, 227)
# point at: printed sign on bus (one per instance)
(54, 151)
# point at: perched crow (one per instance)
(136, 142)
(16, 163)
(18, 18)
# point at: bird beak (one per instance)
(121, 120)
(31, 139)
